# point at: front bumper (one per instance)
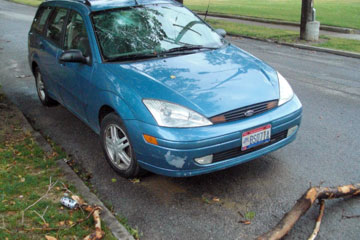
(178, 147)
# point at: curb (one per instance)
(306, 47)
(117, 229)
(279, 22)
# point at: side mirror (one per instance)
(74, 55)
(221, 32)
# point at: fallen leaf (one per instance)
(216, 199)
(78, 199)
(50, 237)
(22, 179)
(205, 200)
(250, 215)
(62, 223)
(135, 180)
(113, 180)
(246, 222)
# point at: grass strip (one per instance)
(328, 12)
(286, 36)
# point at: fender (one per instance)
(110, 99)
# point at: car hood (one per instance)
(210, 82)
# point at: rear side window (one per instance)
(40, 19)
(55, 25)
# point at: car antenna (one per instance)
(207, 10)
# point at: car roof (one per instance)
(99, 5)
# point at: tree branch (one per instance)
(304, 203)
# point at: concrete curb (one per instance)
(279, 22)
(306, 47)
(107, 217)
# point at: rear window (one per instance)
(40, 19)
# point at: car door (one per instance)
(51, 45)
(75, 77)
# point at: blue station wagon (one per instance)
(165, 91)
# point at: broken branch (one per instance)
(304, 203)
(51, 185)
(318, 221)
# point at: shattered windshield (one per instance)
(150, 30)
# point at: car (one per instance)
(165, 91)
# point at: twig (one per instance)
(51, 185)
(3, 227)
(66, 188)
(318, 221)
(347, 217)
(42, 216)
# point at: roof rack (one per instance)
(86, 2)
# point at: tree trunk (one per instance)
(306, 16)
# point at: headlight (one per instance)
(286, 92)
(172, 115)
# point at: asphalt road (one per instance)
(326, 151)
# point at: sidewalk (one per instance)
(284, 27)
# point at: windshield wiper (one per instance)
(137, 56)
(187, 48)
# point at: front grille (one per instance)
(235, 152)
(239, 113)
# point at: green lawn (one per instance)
(344, 13)
(283, 35)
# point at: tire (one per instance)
(117, 147)
(44, 97)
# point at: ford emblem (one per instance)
(249, 113)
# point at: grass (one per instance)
(33, 3)
(25, 172)
(343, 13)
(280, 35)
(340, 43)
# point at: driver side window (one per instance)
(75, 34)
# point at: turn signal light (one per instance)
(218, 119)
(150, 139)
(271, 105)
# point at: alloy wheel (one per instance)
(118, 147)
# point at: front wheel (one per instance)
(117, 147)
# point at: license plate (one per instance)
(256, 137)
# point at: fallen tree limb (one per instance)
(304, 203)
(318, 221)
